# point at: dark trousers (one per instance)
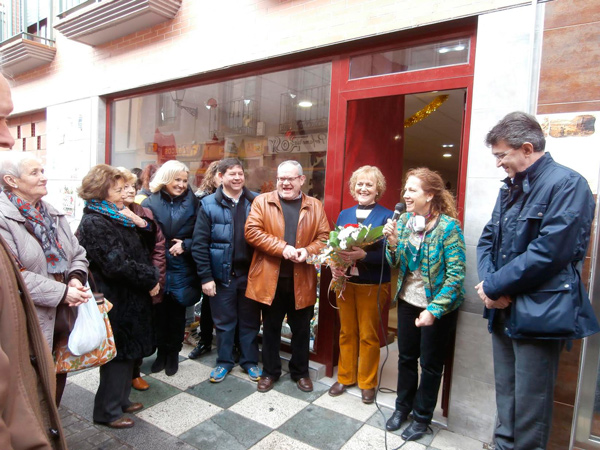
(170, 329)
(230, 309)
(206, 321)
(137, 364)
(113, 393)
(299, 322)
(525, 373)
(61, 382)
(429, 345)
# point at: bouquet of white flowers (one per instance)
(344, 238)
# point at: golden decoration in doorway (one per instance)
(425, 112)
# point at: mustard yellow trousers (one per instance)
(359, 341)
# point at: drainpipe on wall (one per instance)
(535, 43)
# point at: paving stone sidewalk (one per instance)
(187, 412)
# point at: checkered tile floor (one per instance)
(187, 412)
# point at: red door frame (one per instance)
(344, 90)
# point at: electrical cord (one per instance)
(387, 349)
(387, 352)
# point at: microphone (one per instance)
(398, 210)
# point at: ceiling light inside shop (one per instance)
(447, 155)
(247, 101)
(397, 137)
(305, 104)
(447, 145)
(456, 48)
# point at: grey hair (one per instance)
(515, 129)
(166, 173)
(291, 162)
(11, 163)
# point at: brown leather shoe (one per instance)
(368, 395)
(305, 384)
(140, 384)
(337, 389)
(265, 383)
(134, 407)
(123, 422)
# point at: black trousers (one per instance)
(299, 322)
(113, 393)
(170, 325)
(206, 321)
(429, 345)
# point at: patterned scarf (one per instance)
(44, 230)
(109, 209)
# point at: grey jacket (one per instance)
(45, 291)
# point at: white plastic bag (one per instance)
(89, 330)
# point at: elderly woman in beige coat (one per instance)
(52, 262)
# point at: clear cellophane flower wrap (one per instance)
(341, 239)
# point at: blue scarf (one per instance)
(109, 209)
(44, 230)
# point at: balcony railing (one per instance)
(95, 22)
(24, 52)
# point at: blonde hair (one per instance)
(98, 181)
(128, 175)
(432, 183)
(167, 173)
(368, 171)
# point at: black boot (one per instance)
(172, 363)
(416, 430)
(160, 362)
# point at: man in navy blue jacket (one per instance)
(223, 258)
(529, 262)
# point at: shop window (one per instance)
(439, 54)
(262, 120)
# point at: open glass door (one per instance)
(397, 133)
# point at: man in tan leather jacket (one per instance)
(284, 227)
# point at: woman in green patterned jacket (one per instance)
(427, 246)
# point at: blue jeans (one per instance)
(525, 371)
(231, 307)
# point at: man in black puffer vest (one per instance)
(223, 258)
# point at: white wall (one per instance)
(501, 85)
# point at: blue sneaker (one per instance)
(218, 374)
(254, 373)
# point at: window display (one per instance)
(261, 119)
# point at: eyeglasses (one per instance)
(287, 179)
(500, 156)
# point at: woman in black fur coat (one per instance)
(118, 249)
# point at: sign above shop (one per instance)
(298, 144)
